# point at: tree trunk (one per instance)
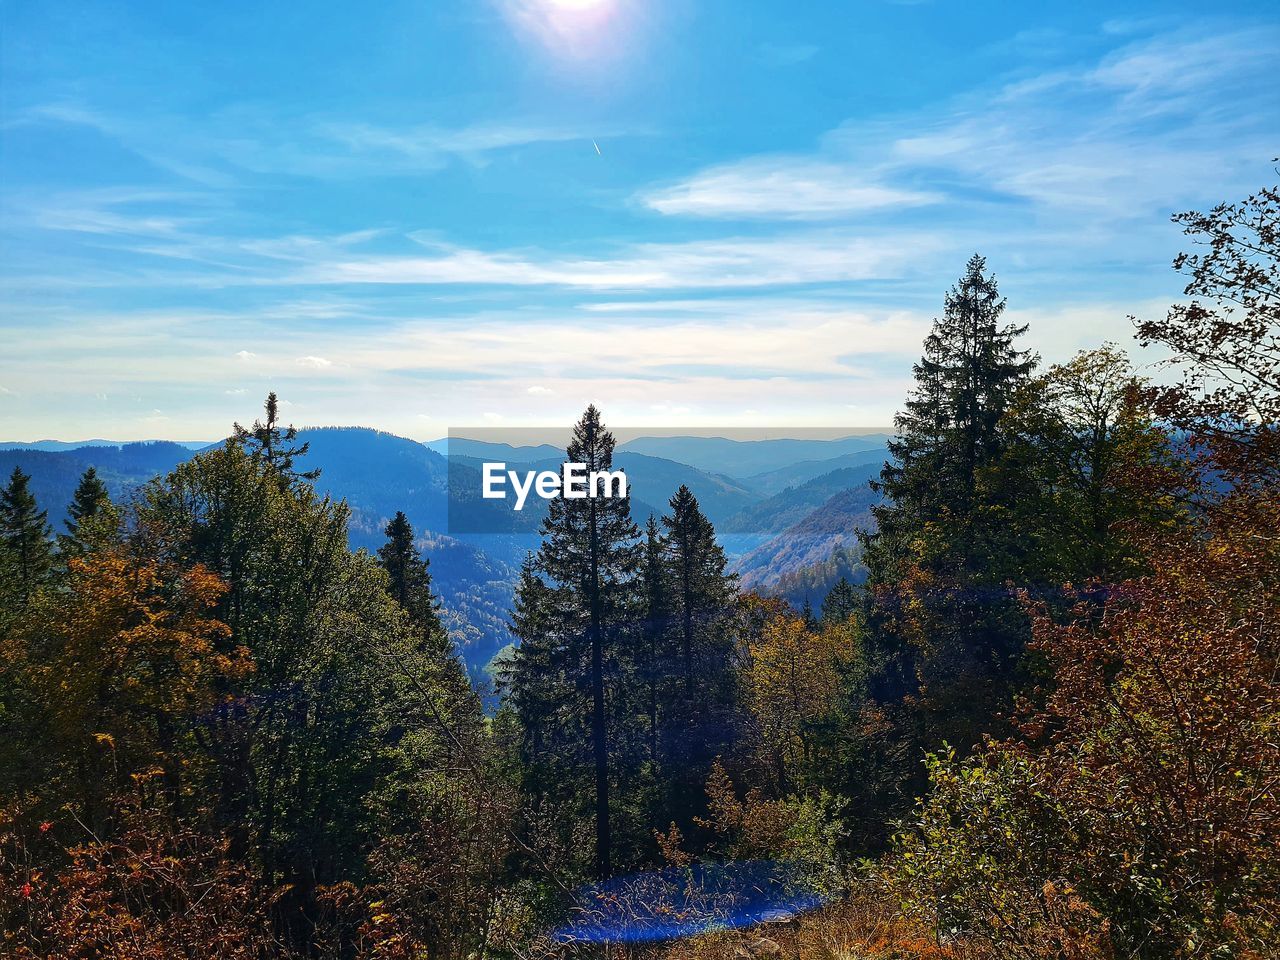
(599, 742)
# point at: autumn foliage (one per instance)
(1047, 726)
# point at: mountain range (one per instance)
(786, 510)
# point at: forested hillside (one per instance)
(377, 474)
(1032, 714)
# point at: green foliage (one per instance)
(25, 538)
(576, 620)
(92, 519)
(275, 446)
(842, 602)
(804, 830)
(979, 856)
(1080, 430)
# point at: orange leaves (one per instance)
(131, 653)
(792, 680)
(1169, 703)
(148, 631)
(155, 892)
(1143, 814)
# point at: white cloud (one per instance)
(314, 363)
(249, 139)
(1133, 134)
(788, 188)
(733, 262)
(245, 355)
(538, 390)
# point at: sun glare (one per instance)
(577, 32)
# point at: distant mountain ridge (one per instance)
(60, 446)
(780, 511)
(832, 527)
(741, 459)
(775, 522)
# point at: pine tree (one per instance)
(841, 603)
(534, 686)
(941, 619)
(652, 666)
(409, 572)
(409, 577)
(948, 435)
(701, 591)
(90, 509)
(701, 702)
(589, 555)
(807, 616)
(25, 533)
(267, 441)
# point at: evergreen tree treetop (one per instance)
(91, 517)
(268, 441)
(408, 570)
(841, 603)
(948, 435)
(88, 501)
(25, 533)
(592, 541)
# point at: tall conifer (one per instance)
(947, 539)
(25, 532)
(90, 509)
(267, 440)
(589, 556)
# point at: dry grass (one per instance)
(854, 929)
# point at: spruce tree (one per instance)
(90, 508)
(408, 572)
(807, 615)
(701, 702)
(535, 685)
(589, 556)
(841, 603)
(652, 656)
(25, 532)
(277, 446)
(948, 437)
(701, 590)
(942, 620)
(409, 583)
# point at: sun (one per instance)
(574, 31)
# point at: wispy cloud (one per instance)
(813, 257)
(217, 150)
(786, 188)
(261, 248)
(1121, 136)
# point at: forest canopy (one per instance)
(1044, 726)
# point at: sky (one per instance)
(425, 215)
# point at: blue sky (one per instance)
(423, 215)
